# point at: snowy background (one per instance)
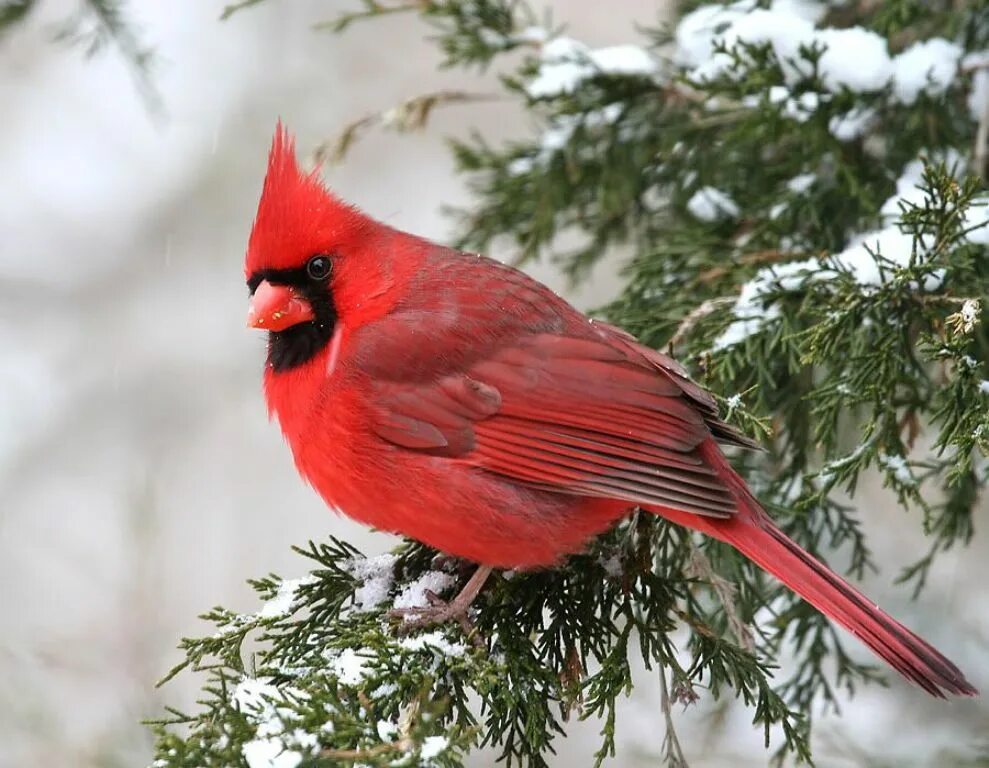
(140, 481)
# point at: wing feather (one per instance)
(582, 416)
(481, 364)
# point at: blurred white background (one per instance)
(140, 482)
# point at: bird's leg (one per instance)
(441, 611)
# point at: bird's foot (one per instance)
(440, 611)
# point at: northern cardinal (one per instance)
(455, 400)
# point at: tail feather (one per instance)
(756, 536)
(906, 652)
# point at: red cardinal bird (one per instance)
(453, 399)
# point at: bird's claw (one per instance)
(439, 611)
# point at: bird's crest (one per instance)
(297, 215)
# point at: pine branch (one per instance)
(102, 23)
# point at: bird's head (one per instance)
(307, 261)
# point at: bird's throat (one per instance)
(299, 344)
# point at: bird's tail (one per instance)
(755, 535)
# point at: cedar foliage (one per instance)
(841, 363)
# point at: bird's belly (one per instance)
(465, 511)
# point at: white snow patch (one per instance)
(532, 34)
(257, 699)
(252, 695)
(890, 243)
(434, 641)
(384, 690)
(270, 753)
(927, 66)
(414, 594)
(855, 58)
(710, 204)
(801, 108)
(564, 67)
(852, 124)
(899, 467)
(911, 179)
(349, 667)
(433, 746)
(376, 575)
(785, 32)
(520, 166)
(984, 387)
(283, 601)
(809, 10)
(907, 191)
(829, 469)
(387, 730)
(567, 63)
(558, 134)
(740, 23)
(749, 312)
(628, 60)
(800, 184)
(697, 31)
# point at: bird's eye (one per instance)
(319, 267)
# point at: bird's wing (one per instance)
(595, 416)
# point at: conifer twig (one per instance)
(700, 567)
(410, 115)
(769, 256)
(698, 314)
(672, 751)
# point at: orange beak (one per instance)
(277, 307)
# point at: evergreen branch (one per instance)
(14, 11)
(372, 9)
(672, 750)
(700, 567)
(232, 8)
(112, 27)
(411, 115)
(689, 322)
